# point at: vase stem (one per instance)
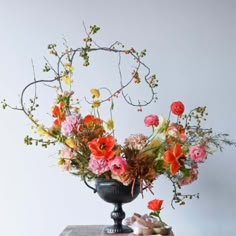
(117, 215)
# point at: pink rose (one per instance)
(118, 165)
(197, 152)
(151, 120)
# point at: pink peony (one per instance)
(98, 167)
(118, 165)
(197, 152)
(70, 125)
(151, 120)
(192, 176)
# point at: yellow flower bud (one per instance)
(95, 93)
(69, 68)
(61, 161)
(71, 143)
(66, 79)
(110, 124)
(42, 131)
(96, 104)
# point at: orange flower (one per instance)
(173, 158)
(90, 119)
(57, 111)
(155, 205)
(101, 148)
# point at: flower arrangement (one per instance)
(87, 143)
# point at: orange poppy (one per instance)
(102, 148)
(172, 158)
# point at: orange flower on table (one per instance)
(172, 158)
(155, 205)
(102, 148)
(57, 112)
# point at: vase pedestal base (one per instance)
(117, 229)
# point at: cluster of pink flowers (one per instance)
(70, 125)
(117, 166)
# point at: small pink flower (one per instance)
(118, 165)
(151, 120)
(197, 152)
(66, 153)
(98, 167)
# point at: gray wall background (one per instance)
(191, 47)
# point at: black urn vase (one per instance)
(115, 192)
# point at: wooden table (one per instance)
(89, 230)
(85, 230)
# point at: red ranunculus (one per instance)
(102, 148)
(155, 205)
(151, 120)
(177, 108)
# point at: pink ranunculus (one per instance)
(118, 165)
(151, 120)
(98, 167)
(197, 152)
